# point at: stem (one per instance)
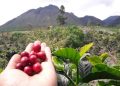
(70, 79)
(77, 81)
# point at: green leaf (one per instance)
(102, 71)
(58, 64)
(72, 66)
(94, 60)
(116, 67)
(103, 56)
(109, 83)
(85, 48)
(68, 53)
(101, 83)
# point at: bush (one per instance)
(75, 38)
(3, 63)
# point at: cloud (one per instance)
(98, 8)
(94, 3)
(105, 2)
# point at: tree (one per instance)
(61, 18)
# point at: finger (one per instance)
(48, 54)
(43, 46)
(29, 47)
(47, 65)
(13, 61)
(37, 42)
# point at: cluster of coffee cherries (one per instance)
(30, 63)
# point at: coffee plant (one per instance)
(82, 67)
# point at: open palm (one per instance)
(14, 77)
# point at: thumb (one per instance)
(13, 61)
(16, 58)
(48, 54)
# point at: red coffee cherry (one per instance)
(24, 61)
(36, 47)
(19, 66)
(37, 67)
(30, 63)
(28, 70)
(32, 53)
(33, 59)
(24, 53)
(41, 55)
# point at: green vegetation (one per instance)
(1, 70)
(74, 57)
(67, 42)
(93, 67)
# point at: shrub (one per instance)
(3, 63)
(75, 38)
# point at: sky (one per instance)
(101, 9)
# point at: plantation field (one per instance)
(105, 39)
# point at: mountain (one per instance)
(90, 20)
(112, 21)
(41, 17)
(34, 17)
(46, 16)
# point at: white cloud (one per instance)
(98, 8)
(97, 2)
(10, 9)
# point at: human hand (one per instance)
(14, 77)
